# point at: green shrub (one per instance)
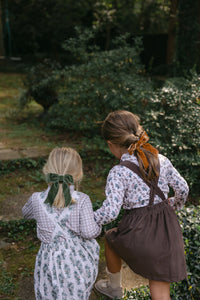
(16, 164)
(142, 293)
(115, 79)
(104, 81)
(172, 119)
(171, 116)
(18, 229)
(190, 222)
(41, 84)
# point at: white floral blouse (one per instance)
(126, 189)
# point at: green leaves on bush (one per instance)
(18, 229)
(142, 293)
(190, 223)
(41, 84)
(172, 119)
(104, 81)
(107, 80)
(27, 163)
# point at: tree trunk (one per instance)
(188, 34)
(172, 31)
(2, 48)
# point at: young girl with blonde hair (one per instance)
(67, 262)
(149, 237)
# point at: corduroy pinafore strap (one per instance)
(153, 185)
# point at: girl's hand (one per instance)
(171, 202)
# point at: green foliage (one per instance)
(41, 27)
(81, 48)
(172, 120)
(41, 84)
(115, 79)
(108, 80)
(7, 285)
(38, 176)
(190, 223)
(25, 163)
(142, 293)
(18, 229)
(103, 81)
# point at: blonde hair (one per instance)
(64, 161)
(123, 128)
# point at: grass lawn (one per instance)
(21, 128)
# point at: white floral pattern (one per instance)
(126, 189)
(66, 265)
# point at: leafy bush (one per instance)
(104, 81)
(172, 119)
(115, 79)
(18, 229)
(16, 164)
(142, 293)
(190, 223)
(41, 84)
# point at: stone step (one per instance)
(17, 153)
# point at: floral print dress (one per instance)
(66, 266)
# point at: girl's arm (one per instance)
(179, 185)
(115, 190)
(27, 210)
(88, 227)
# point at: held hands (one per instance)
(171, 202)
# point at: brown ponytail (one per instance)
(123, 128)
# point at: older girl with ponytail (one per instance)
(149, 237)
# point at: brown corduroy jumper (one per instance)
(149, 239)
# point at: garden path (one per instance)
(17, 153)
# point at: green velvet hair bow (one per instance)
(55, 179)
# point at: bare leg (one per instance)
(160, 290)
(113, 261)
(112, 286)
